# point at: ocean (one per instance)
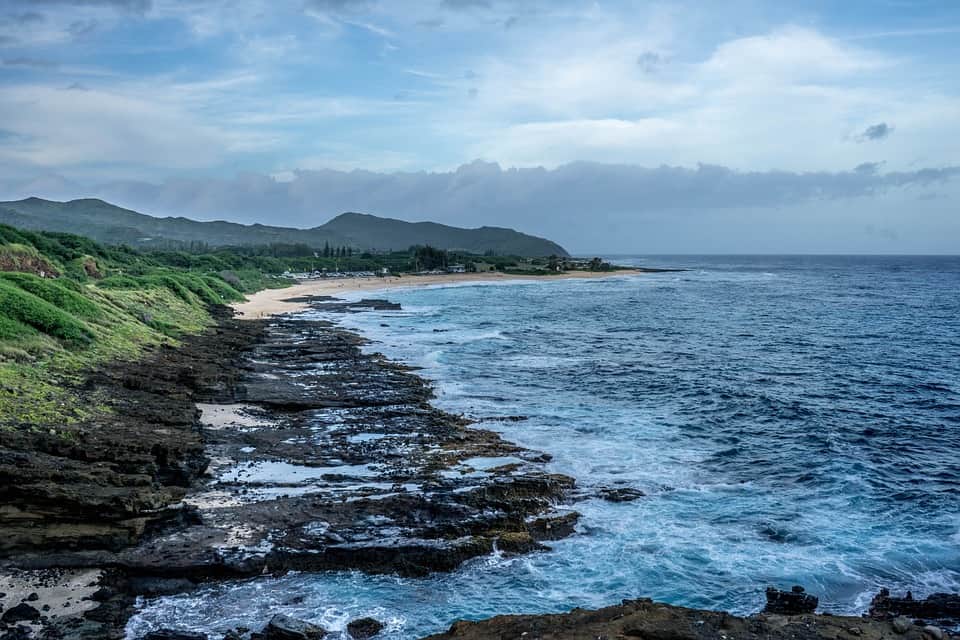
(791, 420)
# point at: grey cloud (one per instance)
(339, 6)
(81, 28)
(877, 131)
(432, 23)
(563, 203)
(28, 17)
(649, 61)
(132, 6)
(466, 4)
(868, 168)
(33, 63)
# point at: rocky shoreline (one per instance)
(265, 446)
(260, 447)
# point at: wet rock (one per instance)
(364, 628)
(933, 632)
(103, 594)
(105, 483)
(283, 627)
(793, 602)
(173, 634)
(387, 484)
(621, 494)
(151, 586)
(938, 606)
(17, 633)
(20, 613)
(33, 597)
(553, 527)
(649, 620)
(902, 624)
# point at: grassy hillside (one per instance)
(68, 303)
(111, 224)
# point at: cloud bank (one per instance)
(583, 205)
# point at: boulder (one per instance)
(364, 628)
(621, 494)
(283, 627)
(791, 603)
(174, 634)
(938, 606)
(902, 624)
(20, 613)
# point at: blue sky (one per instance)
(173, 107)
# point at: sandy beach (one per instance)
(271, 302)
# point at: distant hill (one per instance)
(109, 223)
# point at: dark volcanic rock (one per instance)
(621, 494)
(364, 628)
(335, 460)
(173, 634)
(943, 607)
(105, 483)
(17, 633)
(793, 602)
(262, 447)
(649, 620)
(283, 627)
(21, 613)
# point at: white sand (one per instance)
(271, 302)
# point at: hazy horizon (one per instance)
(616, 127)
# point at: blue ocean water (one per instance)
(792, 420)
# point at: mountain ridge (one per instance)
(109, 223)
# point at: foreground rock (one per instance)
(942, 608)
(328, 458)
(650, 620)
(791, 603)
(286, 628)
(364, 628)
(104, 484)
(305, 454)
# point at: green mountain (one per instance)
(111, 224)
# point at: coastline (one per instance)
(237, 521)
(271, 302)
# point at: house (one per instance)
(456, 268)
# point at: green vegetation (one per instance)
(68, 303)
(348, 232)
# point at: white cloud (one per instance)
(794, 98)
(58, 127)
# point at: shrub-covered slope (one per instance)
(68, 304)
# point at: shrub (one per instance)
(55, 293)
(41, 315)
(223, 289)
(12, 329)
(119, 282)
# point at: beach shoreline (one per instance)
(272, 302)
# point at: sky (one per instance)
(743, 126)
